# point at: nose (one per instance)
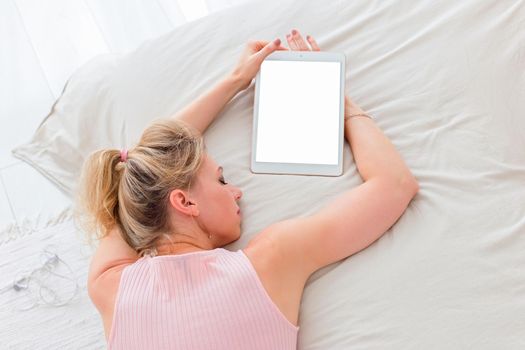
(238, 193)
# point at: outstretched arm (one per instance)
(203, 111)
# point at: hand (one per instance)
(252, 58)
(297, 43)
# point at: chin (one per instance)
(238, 235)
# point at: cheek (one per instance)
(221, 204)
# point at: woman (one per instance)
(162, 211)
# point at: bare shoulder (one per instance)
(111, 251)
(111, 257)
(103, 293)
(281, 275)
(276, 247)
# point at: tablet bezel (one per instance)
(301, 168)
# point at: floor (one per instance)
(41, 44)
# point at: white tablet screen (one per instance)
(298, 112)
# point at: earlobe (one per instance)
(196, 210)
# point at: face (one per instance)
(215, 204)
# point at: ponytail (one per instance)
(98, 194)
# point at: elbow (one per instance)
(405, 186)
(409, 184)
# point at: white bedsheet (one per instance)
(444, 80)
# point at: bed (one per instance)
(445, 81)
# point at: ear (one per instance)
(180, 201)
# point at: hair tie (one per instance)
(123, 155)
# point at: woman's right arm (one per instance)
(355, 218)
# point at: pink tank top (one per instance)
(209, 299)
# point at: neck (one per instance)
(168, 248)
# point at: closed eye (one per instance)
(222, 181)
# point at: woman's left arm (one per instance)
(203, 111)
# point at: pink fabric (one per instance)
(200, 300)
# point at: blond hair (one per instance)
(134, 195)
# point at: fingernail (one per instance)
(294, 31)
(277, 41)
(288, 35)
(308, 37)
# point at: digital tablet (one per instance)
(298, 115)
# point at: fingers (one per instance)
(297, 43)
(268, 48)
(299, 40)
(291, 42)
(313, 43)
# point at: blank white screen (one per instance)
(298, 112)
